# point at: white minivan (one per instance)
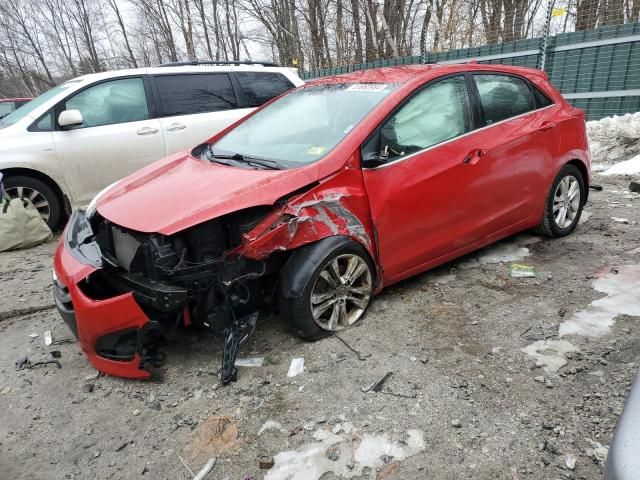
(63, 147)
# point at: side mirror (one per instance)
(70, 118)
(376, 151)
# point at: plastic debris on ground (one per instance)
(271, 425)
(296, 367)
(518, 270)
(250, 362)
(205, 470)
(48, 340)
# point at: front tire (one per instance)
(39, 193)
(326, 287)
(564, 203)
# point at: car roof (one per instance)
(167, 70)
(402, 74)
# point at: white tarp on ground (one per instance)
(615, 144)
(21, 225)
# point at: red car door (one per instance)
(441, 188)
(518, 128)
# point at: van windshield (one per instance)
(37, 102)
(304, 125)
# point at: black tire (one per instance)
(53, 211)
(299, 276)
(549, 226)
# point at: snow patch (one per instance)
(510, 250)
(550, 354)
(623, 298)
(584, 216)
(443, 278)
(628, 167)
(345, 455)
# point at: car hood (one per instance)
(181, 191)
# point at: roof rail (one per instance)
(218, 62)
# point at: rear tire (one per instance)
(41, 195)
(314, 299)
(564, 204)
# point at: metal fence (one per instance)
(597, 70)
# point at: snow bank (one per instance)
(628, 167)
(613, 140)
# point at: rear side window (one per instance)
(503, 97)
(541, 99)
(260, 87)
(195, 93)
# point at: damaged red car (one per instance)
(314, 203)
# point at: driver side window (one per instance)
(112, 102)
(438, 113)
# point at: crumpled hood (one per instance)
(181, 191)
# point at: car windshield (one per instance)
(303, 126)
(27, 108)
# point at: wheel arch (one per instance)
(297, 267)
(585, 175)
(28, 172)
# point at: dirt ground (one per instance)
(463, 400)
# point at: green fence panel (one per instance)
(588, 69)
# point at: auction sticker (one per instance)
(367, 87)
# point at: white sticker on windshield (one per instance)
(367, 87)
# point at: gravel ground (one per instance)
(452, 339)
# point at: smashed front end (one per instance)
(124, 292)
(152, 284)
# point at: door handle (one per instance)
(147, 131)
(474, 156)
(547, 125)
(176, 126)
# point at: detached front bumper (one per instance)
(112, 331)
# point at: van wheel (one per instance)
(39, 193)
(326, 287)
(564, 204)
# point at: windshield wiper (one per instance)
(238, 157)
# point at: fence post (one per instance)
(545, 35)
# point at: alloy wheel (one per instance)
(341, 292)
(34, 196)
(566, 201)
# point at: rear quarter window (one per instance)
(541, 99)
(260, 87)
(188, 94)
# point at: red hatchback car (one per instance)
(315, 202)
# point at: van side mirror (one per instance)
(70, 118)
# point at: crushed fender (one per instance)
(303, 222)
